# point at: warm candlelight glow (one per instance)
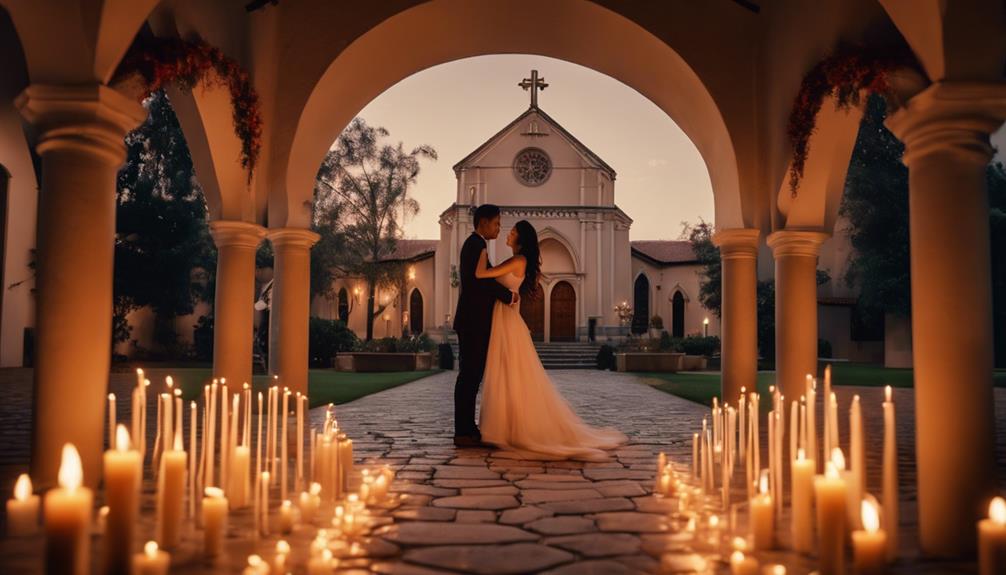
(887, 393)
(22, 489)
(763, 482)
(315, 488)
(801, 455)
(737, 556)
(838, 459)
(739, 543)
(778, 570)
(255, 561)
(214, 492)
(282, 547)
(169, 381)
(997, 511)
(830, 471)
(150, 549)
(714, 521)
(870, 515)
(71, 474)
(121, 438)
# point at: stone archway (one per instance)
(641, 304)
(678, 315)
(416, 312)
(562, 312)
(532, 309)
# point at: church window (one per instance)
(532, 167)
(343, 305)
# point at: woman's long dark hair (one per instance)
(527, 246)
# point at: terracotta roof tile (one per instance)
(411, 249)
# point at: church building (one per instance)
(536, 170)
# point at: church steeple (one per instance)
(534, 83)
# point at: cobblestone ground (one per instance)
(476, 510)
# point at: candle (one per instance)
(240, 467)
(830, 495)
(742, 565)
(264, 505)
(211, 441)
(695, 455)
(830, 417)
(22, 510)
(225, 444)
(857, 467)
(299, 483)
(171, 495)
(214, 521)
(992, 539)
(309, 503)
(279, 560)
(811, 394)
(271, 433)
(802, 502)
(67, 511)
(773, 570)
(869, 545)
(101, 521)
(193, 417)
(763, 516)
(256, 566)
(287, 517)
(111, 420)
(322, 564)
(123, 476)
(889, 519)
(284, 462)
(345, 462)
(152, 561)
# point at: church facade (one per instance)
(536, 170)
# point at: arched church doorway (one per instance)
(343, 306)
(678, 315)
(562, 312)
(532, 309)
(641, 305)
(416, 312)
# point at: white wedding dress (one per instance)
(522, 411)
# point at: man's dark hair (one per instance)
(486, 212)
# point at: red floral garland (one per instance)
(847, 74)
(186, 63)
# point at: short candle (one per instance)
(22, 510)
(152, 561)
(67, 511)
(992, 539)
(869, 545)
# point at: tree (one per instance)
(161, 232)
(365, 185)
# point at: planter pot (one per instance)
(694, 363)
(377, 361)
(665, 362)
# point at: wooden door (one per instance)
(416, 312)
(532, 309)
(562, 316)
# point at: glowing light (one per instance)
(22, 489)
(282, 547)
(169, 381)
(838, 458)
(315, 488)
(150, 549)
(215, 492)
(887, 393)
(121, 438)
(801, 455)
(255, 561)
(870, 515)
(830, 471)
(71, 473)
(763, 482)
(997, 511)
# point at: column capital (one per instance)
(92, 118)
(236, 234)
(297, 237)
(737, 242)
(796, 242)
(951, 117)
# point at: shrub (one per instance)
(446, 353)
(666, 343)
(202, 338)
(823, 348)
(326, 338)
(606, 358)
(657, 322)
(698, 345)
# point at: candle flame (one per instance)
(739, 543)
(179, 446)
(146, 383)
(265, 476)
(286, 504)
(887, 393)
(801, 455)
(830, 471)
(326, 555)
(714, 521)
(121, 438)
(737, 556)
(22, 489)
(245, 385)
(997, 510)
(150, 549)
(282, 547)
(254, 561)
(71, 474)
(838, 458)
(214, 492)
(178, 392)
(315, 488)
(139, 372)
(763, 482)
(223, 381)
(870, 514)
(778, 570)
(169, 381)
(111, 397)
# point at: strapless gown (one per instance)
(522, 411)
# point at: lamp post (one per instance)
(387, 324)
(624, 311)
(705, 327)
(405, 323)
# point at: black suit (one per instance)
(473, 322)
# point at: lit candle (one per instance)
(210, 478)
(992, 539)
(67, 511)
(101, 521)
(299, 483)
(152, 561)
(256, 566)
(802, 502)
(271, 433)
(279, 560)
(811, 443)
(345, 462)
(742, 565)
(889, 520)
(22, 510)
(264, 505)
(193, 418)
(857, 466)
(830, 417)
(284, 462)
(287, 516)
(830, 496)
(239, 478)
(171, 495)
(763, 516)
(322, 564)
(225, 444)
(695, 455)
(122, 493)
(111, 420)
(869, 545)
(309, 503)
(214, 521)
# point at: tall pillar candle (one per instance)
(813, 450)
(284, 437)
(299, 483)
(857, 483)
(889, 495)
(802, 503)
(830, 499)
(67, 511)
(171, 495)
(214, 521)
(122, 494)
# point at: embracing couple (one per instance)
(522, 411)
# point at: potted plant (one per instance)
(656, 326)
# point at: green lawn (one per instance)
(325, 386)
(702, 387)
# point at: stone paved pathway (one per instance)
(476, 510)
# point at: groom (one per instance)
(473, 324)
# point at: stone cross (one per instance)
(534, 83)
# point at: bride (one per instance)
(522, 411)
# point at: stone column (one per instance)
(739, 310)
(80, 139)
(233, 307)
(795, 253)
(291, 305)
(946, 134)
